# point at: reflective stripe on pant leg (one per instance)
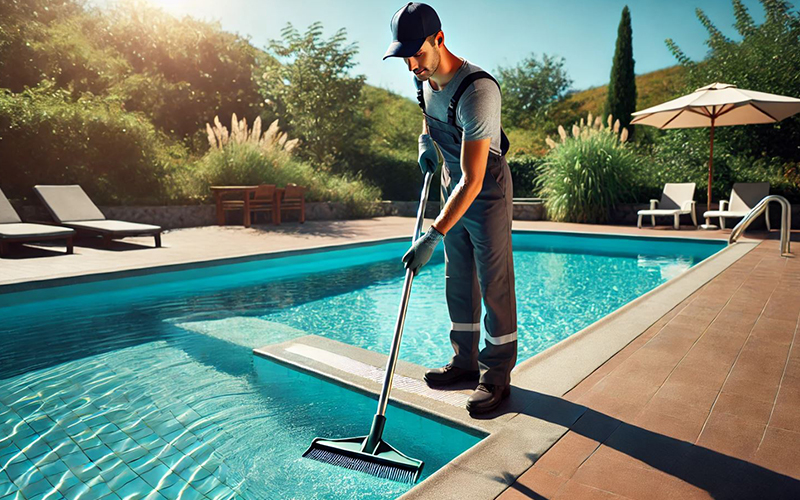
(463, 298)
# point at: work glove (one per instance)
(428, 155)
(422, 249)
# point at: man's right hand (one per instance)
(428, 155)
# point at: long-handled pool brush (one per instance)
(370, 453)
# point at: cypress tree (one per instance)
(621, 100)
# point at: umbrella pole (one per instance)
(708, 224)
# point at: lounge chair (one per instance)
(71, 207)
(13, 230)
(744, 197)
(676, 199)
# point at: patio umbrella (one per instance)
(717, 105)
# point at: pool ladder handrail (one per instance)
(761, 207)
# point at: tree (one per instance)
(767, 59)
(621, 101)
(310, 87)
(531, 87)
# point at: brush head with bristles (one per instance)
(386, 462)
(391, 472)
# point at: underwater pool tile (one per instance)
(123, 445)
(52, 469)
(15, 470)
(7, 450)
(76, 459)
(54, 435)
(134, 489)
(185, 441)
(172, 436)
(166, 451)
(6, 485)
(168, 427)
(160, 476)
(155, 496)
(202, 453)
(108, 462)
(143, 464)
(113, 436)
(66, 447)
(182, 491)
(206, 485)
(140, 433)
(99, 490)
(99, 452)
(23, 440)
(40, 424)
(133, 454)
(221, 492)
(36, 488)
(122, 476)
(37, 449)
(77, 491)
(147, 440)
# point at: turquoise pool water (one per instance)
(148, 383)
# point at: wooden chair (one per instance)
(292, 197)
(265, 200)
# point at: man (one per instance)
(461, 108)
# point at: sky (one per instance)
(487, 33)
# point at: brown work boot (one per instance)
(448, 375)
(487, 397)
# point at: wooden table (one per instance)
(245, 191)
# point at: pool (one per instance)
(148, 382)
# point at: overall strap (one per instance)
(420, 95)
(451, 109)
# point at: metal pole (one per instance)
(401, 314)
(708, 224)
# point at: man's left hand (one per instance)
(420, 252)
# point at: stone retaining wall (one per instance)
(170, 217)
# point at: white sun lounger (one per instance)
(13, 230)
(676, 199)
(71, 207)
(744, 196)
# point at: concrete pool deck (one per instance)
(621, 400)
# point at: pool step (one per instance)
(376, 374)
(363, 370)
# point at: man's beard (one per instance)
(434, 66)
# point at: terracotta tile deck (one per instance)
(704, 404)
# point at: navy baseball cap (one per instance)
(411, 25)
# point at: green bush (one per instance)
(248, 164)
(523, 173)
(586, 175)
(115, 155)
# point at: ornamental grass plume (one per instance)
(271, 139)
(589, 127)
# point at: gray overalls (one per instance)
(478, 258)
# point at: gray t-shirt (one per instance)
(478, 111)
